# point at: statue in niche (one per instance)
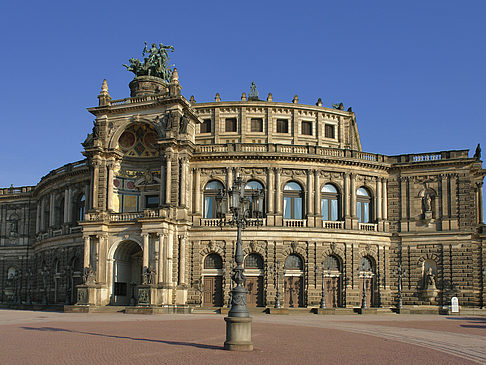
(430, 279)
(148, 275)
(183, 124)
(427, 203)
(13, 229)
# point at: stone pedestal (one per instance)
(238, 334)
(277, 311)
(366, 311)
(325, 311)
(147, 85)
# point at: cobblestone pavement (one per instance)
(28, 337)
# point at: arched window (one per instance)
(254, 187)
(363, 206)
(293, 198)
(59, 213)
(254, 261)
(294, 262)
(329, 203)
(331, 263)
(366, 265)
(211, 190)
(213, 261)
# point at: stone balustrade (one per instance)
(370, 227)
(333, 224)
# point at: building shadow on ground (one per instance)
(473, 322)
(173, 343)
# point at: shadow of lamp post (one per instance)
(238, 322)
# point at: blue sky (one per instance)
(414, 72)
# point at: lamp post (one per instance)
(364, 275)
(277, 287)
(323, 290)
(400, 272)
(238, 322)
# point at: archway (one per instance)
(332, 280)
(213, 281)
(366, 273)
(294, 281)
(254, 280)
(127, 273)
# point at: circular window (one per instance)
(149, 139)
(126, 140)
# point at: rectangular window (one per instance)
(282, 126)
(329, 131)
(230, 125)
(206, 126)
(307, 128)
(256, 124)
(151, 201)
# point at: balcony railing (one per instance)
(295, 223)
(332, 224)
(370, 227)
(125, 217)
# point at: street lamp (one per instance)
(400, 272)
(323, 288)
(238, 322)
(362, 273)
(275, 271)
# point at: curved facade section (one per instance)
(138, 221)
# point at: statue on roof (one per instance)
(477, 153)
(253, 92)
(155, 62)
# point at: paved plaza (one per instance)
(29, 337)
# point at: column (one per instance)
(385, 200)
(197, 191)
(160, 270)
(109, 198)
(43, 215)
(182, 260)
(86, 251)
(229, 178)
(52, 210)
(145, 250)
(162, 183)
(403, 198)
(38, 218)
(379, 196)
(94, 191)
(317, 193)
(157, 261)
(66, 206)
(183, 188)
(352, 208)
(310, 187)
(70, 206)
(278, 198)
(270, 192)
(347, 195)
(168, 176)
(444, 196)
(480, 202)
(169, 248)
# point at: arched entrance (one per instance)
(213, 281)
(254, 280)
(294, 281)
(127, 273)
(332, 281)
(367, 276)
